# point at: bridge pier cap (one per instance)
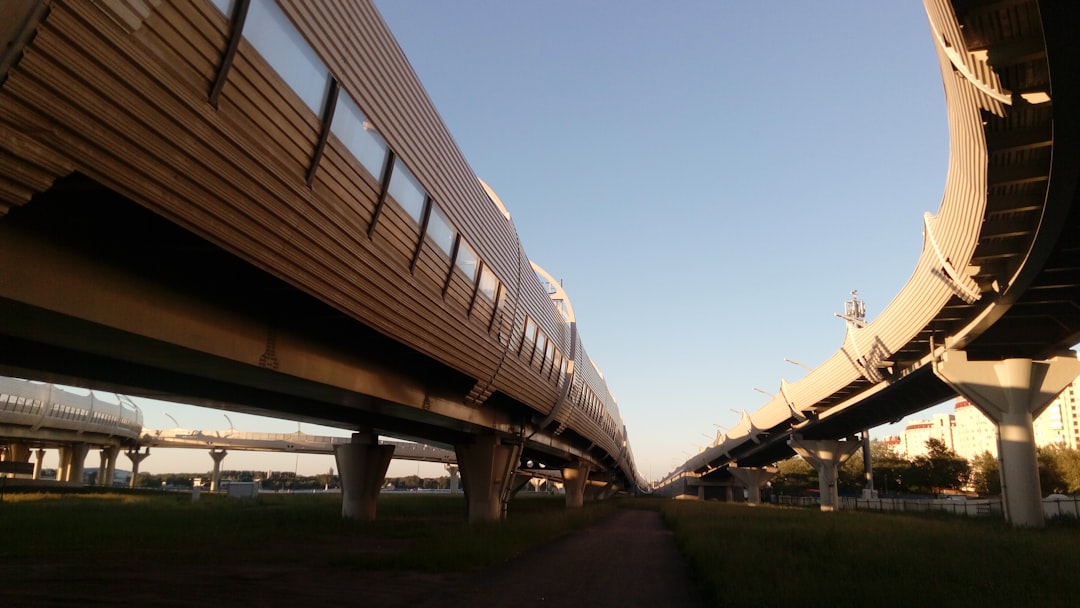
(825, 455)
(575, 478)
(362, 465)
(487, 468)
(753, 478)
(1012, 393)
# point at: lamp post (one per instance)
(794, 362)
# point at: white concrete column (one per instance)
(135, 457)
(487, 469)
(753, 479)
(215, 476)
(729, 493)
(575, 478)
(110, 463)
(39, 460)
(99, 480)
(63, 462)
(362, 465)
(1012, 393)
(107, 465)
(17, 452)
(825, 455)
(72, 461)
(455, 478)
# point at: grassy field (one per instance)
(416, 532)
(70, 547)
(789, 557)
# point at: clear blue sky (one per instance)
(709, 180)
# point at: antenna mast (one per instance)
(854, 311)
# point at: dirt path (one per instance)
(627, 560)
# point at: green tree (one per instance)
(1069, 463)
(851, 477)
(986, 475)
(1052, 476)
(939, 469)
(794, 476)
(890, 470)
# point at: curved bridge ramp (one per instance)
(991, 309)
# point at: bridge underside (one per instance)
(98, 291)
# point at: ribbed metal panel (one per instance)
(361, 52)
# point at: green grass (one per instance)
(413, 532)
(743, 556)
(786, 557)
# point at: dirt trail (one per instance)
(627, 560)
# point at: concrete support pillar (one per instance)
(103, 460)
(455, 478)
(17, 452)
(701, 492)
(39, 460)
(825, 455)
(1012, 393)
(63, 454)
(487, 468)
(729, 493)
(599, 490)
(135, 457)
(78, 463)
(575, 478)
(362, 465)
(72, 461)
(215, 477)
(107, 466)
(869, 492)
(753, 478)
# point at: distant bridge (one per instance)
(36, 416)
(298, 442)
(993, 305)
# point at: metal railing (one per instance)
(39, 405)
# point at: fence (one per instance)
(1056, 505)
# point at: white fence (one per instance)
(1056, 505)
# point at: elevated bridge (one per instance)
(254, 206)
(993, 305)
(36, 416)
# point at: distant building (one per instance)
(894, 442)
(1069, 430)
(918, 432)
(969, 433)
(975, 433)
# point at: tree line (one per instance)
(939, 471)
(285, 481)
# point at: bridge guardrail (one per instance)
(44, 405)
